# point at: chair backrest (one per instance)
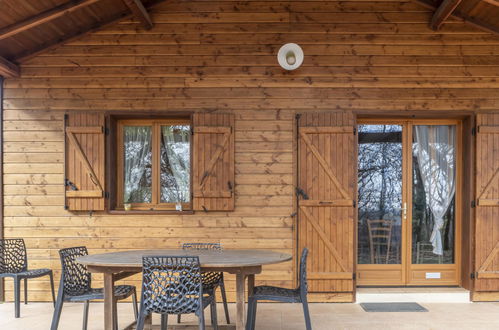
(13, 257)
(201, 246)
(303, 272)
(171, 284)
(75, 276)
(380, 234)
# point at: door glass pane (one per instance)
(379, 194)
(433, 194)
(175, 163)
(137, 171)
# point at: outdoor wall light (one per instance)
(290, 56)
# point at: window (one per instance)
(154, 164)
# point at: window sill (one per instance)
(165, 212)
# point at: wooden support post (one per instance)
(2, 287)
(140, 12)
(8, 69)
(44, 17)
(443, 12)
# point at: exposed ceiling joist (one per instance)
(470, 20)
(44, 17)
(443, 12)
(492, 2)
(140, 12)
(8, 69)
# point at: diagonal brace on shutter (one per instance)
(324, 238)
(324, 165)
(481, 200)
(70, 132)
(226, 131)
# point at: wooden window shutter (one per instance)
(213, 162)
(487, 203)
(326, 195)
(84, 161)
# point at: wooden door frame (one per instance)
(406, 267)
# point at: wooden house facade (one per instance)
(273, 152)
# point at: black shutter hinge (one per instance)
(473, 204)
(66, 207)
(354, 276)
(66, 116)
(70, 184)
(106, 130)
(298, 116)
(472, 276)
(355, 131)
(106, 194)
(473, 131)
(354, 203)
(192, 130)
(300, 192)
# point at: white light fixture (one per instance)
(290, 56)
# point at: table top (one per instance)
(207, 258)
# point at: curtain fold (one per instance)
(436, 146)
(137, 144)
(175, 177)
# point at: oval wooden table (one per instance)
(243, 263)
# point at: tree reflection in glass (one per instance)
(138, 164)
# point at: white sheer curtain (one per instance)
(436, 160)
(175, 186)
(137, 144)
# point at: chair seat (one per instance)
(211, 280)
(120, 292)
(28, 273)
(266, 292)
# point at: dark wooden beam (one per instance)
(44, 17)
(492, 2)
(8, 69)
(140, 12)
(443, 12)
(43, 47)
(470, 20)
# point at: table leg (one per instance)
(110, 311)
(240, 300)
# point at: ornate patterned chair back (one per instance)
(303, 272)
(75, 276)
(201, 246)
(171, 285)
(12, 255)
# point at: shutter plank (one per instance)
(85, 161)
(213, 162)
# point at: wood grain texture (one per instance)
(390, 63)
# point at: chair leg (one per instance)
(201, 318)
(85, 314)
(164, 321)
(224, 301)
(251, 317)
(52, 287)
(179, 318)
(17, 298)
(213, 311)
(25, 291)
(134, 303)
(306, 314)
(141, 320)
(58, 308)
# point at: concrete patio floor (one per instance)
(37, 316)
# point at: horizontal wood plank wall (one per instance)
(221, 56)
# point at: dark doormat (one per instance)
(393, 307)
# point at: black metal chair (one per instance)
(298, 295)
(173, 285)
(75, 286)
(14, 263)
(211, 280)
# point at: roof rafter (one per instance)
(44, 17)
(8, 69)
(443, 12)
(140, 12)
(470, 20)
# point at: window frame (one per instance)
(155, 204)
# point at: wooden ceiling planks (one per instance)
(28, 28)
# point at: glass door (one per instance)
(407, 203)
